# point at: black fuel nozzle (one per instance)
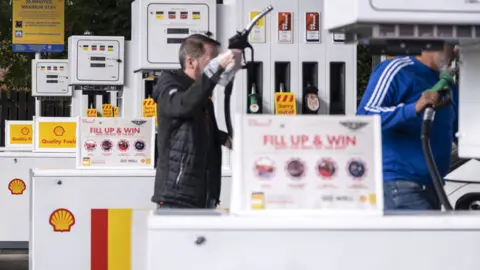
(240, 40)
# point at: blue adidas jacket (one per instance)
(393, 89)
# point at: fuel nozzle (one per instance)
(443, 88)
(253, 100)
(282, 88)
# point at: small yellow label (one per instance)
(115, 112)
(107, 110)
(91, 112)
(149, 108)
(285, 104)
(258, 201)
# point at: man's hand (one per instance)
(228, 143)
(231, 59)
(427, 98)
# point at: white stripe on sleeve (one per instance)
(383, 84)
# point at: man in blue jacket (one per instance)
(395, 91)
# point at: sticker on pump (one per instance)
(258, 33)
(313, 102)
(312, 22)
(115, 112)
(107, 110)
(149, 108)
(285, 29)
(91, 112)
(285, 104)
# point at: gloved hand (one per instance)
(231, 61)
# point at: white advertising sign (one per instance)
(117, 143)
(327, 163)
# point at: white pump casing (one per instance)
(159, 26)
(50, 78)
(345, 14)
(96, 60)
(324, 53)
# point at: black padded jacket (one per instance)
(188, 172)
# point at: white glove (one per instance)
(231, 61)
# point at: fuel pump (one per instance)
(96, 74)
(50, 87)
(240, 42)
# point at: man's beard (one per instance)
(443, 62)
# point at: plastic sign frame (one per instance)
(36, 138)
(8, 130)
(243, 191)
(103, 122)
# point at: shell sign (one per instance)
(17, 186)
(62, 220)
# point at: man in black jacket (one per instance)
(189, 141)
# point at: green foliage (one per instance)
(364, 68)
(106, 17)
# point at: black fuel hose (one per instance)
(428, 118)
(227, 107)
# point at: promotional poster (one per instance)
(310, 162)
(116, 143)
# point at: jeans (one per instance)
(409, 195)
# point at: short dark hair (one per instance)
(194, 46)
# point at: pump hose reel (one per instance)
(240, 42)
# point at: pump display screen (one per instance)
(52, 76)
(183, 31)
(96, 65)
(96, 58)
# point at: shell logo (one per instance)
(25, 131)
(62, 220)
(58, 131)
(17, 186)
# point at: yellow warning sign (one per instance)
(115, 112)
(285, 104)
(149, 108)
(91, 112)
(107, 110)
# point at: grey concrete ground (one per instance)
(13, 261)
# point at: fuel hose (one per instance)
(437, 180)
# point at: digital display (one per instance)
(97, 58)
(96, 65)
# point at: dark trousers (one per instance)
(409, 195)
(168, 205)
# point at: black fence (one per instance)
(20, 105)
